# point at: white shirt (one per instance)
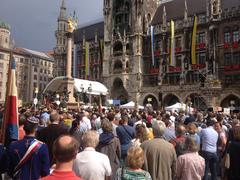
(87, 121)
(209, 138)
(92, 165)
(114, 129)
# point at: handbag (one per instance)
(226, 158)
(227, 161)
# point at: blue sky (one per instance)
(33, 22)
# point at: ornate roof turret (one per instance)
(185, 11)
(4, 25)
(164, 19)
(63, 12)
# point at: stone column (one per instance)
(69, 55)
(69, 83)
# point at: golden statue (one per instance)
(72, 23)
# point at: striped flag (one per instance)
(172, 46)
(86, 60)
(11, 110)
(152, 43)
(193, 43)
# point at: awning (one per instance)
(97, 87)
(80, 85)
(131, 105)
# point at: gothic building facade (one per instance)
(127, 67)
(93, 35)
(213, 80)
(125, 26)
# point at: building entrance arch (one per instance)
(150, 99)
(170, 99)
(119, 92)
(196, 101)
(231, 101)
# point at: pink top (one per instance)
(66, 175)
(190, 166)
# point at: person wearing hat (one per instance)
(28, 158)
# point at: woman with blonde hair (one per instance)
(192, 132)
(133, 171)
(141, 135)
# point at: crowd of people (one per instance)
(123, 144)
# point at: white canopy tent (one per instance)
(80, 85)
(97, 87)
(131, 105)
(178, 106)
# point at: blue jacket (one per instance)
(37, 166)
(3, 158)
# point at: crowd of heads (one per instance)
(147, 124)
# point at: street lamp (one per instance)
(57, 100)
(35, 100)
(82, 91)
(90, 95)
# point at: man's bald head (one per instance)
(180, 130)
(65, 148)
(54, 117)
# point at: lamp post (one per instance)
(90, 95)
(82, 91)
(57, 100)
(35, 100)
(189, 105)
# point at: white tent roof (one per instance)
(131, 105)
(178, 106)
(97, 87)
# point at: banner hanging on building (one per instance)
(87, 76)
(193, 43)
(152, 45)
(100, 44)
(172, 45)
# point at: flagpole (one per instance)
(10, 131)
(4, 123)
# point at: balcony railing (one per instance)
(169, 88)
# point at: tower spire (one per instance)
(63, 4)
(164, 19)
(185, 12)
(63, 11)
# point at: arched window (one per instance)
(118, 67)
(117, 48)
(127, 49)
(149, 18)
(127, 65)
